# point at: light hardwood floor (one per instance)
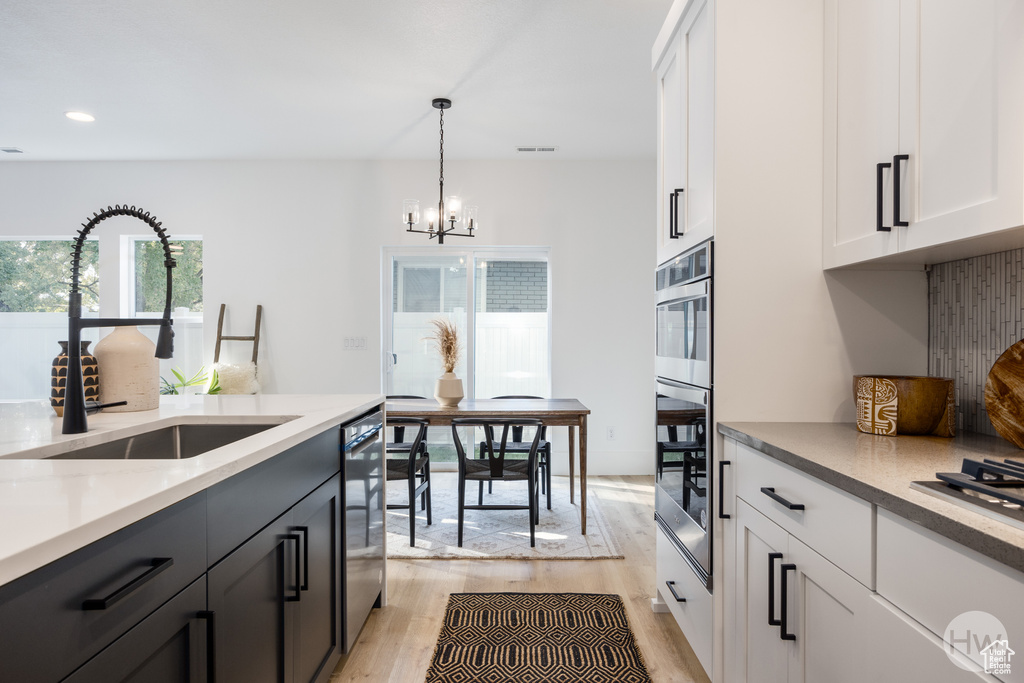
(398, 641)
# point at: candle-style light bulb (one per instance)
(411, 212)
(471, 218)
(453, 209)
(431, 218)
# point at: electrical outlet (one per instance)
(611, 434)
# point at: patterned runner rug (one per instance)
(534, 637)
(498, 534)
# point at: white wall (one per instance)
(304, 239)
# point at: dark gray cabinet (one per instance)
(168, 646)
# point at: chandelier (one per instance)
(449, 209)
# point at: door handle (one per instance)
(721, 489)
(879, 173)
(896, 189)
(673, 214)
(672, 589)
(158, 564)
(298, 589)
(211, 644)
(785, 635)
(772, 621)
(770, 492)
(304, 530)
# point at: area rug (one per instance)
(498, 534)
(533, 637)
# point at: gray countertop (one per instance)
(879, 469)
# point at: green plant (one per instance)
(174, 388)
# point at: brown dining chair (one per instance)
(412, 463)
(517, 445)
(494, 466)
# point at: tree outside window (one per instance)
(35, 275)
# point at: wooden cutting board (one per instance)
(1004, 395)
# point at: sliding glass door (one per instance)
(499, 299)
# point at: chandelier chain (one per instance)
(440, 180)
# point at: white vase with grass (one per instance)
(448, 389)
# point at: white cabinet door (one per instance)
(861, 126)
(672, 150)
(699, 42)
(758, 653)
(961, 119)
(686, 124)
(829, 618)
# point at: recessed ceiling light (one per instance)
(11, 150)
(80, 116)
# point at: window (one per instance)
(149, 276)
(499, 299)
(35, 278)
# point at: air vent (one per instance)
(11, 150)
(536, 149)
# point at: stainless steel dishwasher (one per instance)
(363, 543)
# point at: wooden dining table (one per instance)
(553, 412)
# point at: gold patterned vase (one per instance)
(59, 373)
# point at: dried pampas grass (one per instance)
(446, 341)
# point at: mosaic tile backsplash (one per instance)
(974, 314)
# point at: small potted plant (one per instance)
(448, 390)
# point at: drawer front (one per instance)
(837, 525)
(48, 633)
(694, 615)
(935, 580)
(242, 505)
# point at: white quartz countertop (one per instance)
(49, 508)
(879, 469)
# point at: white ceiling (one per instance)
(330, 79)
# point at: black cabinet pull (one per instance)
(879, 168)
(721, 489)
(770, 492)
(305, 555)
(211, 644)
(772, 621)
(673, 214)
(672, 589)
(158, 564)
(298, 569)
(784, 634)
(896, 189)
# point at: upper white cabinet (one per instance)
(684, 64)
(923, 138)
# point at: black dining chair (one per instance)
(400, 445)
(693, 449)
(413, 464)
(494, 466)
(517, 445)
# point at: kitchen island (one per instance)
(110, 561)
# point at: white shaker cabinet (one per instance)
(923, 141)
(684, 65)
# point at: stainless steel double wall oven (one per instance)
(684, 467)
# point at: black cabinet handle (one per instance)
(158, 564)
(721, 489)
(772, 621)
(770, 492)
(211, 644)
(298, 570)
(784, 634)
(673, 214)
(304, 530)
(896, 189)
(672, 589)
(879, 168)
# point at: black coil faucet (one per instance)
(74, 387)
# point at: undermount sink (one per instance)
(167, 443)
